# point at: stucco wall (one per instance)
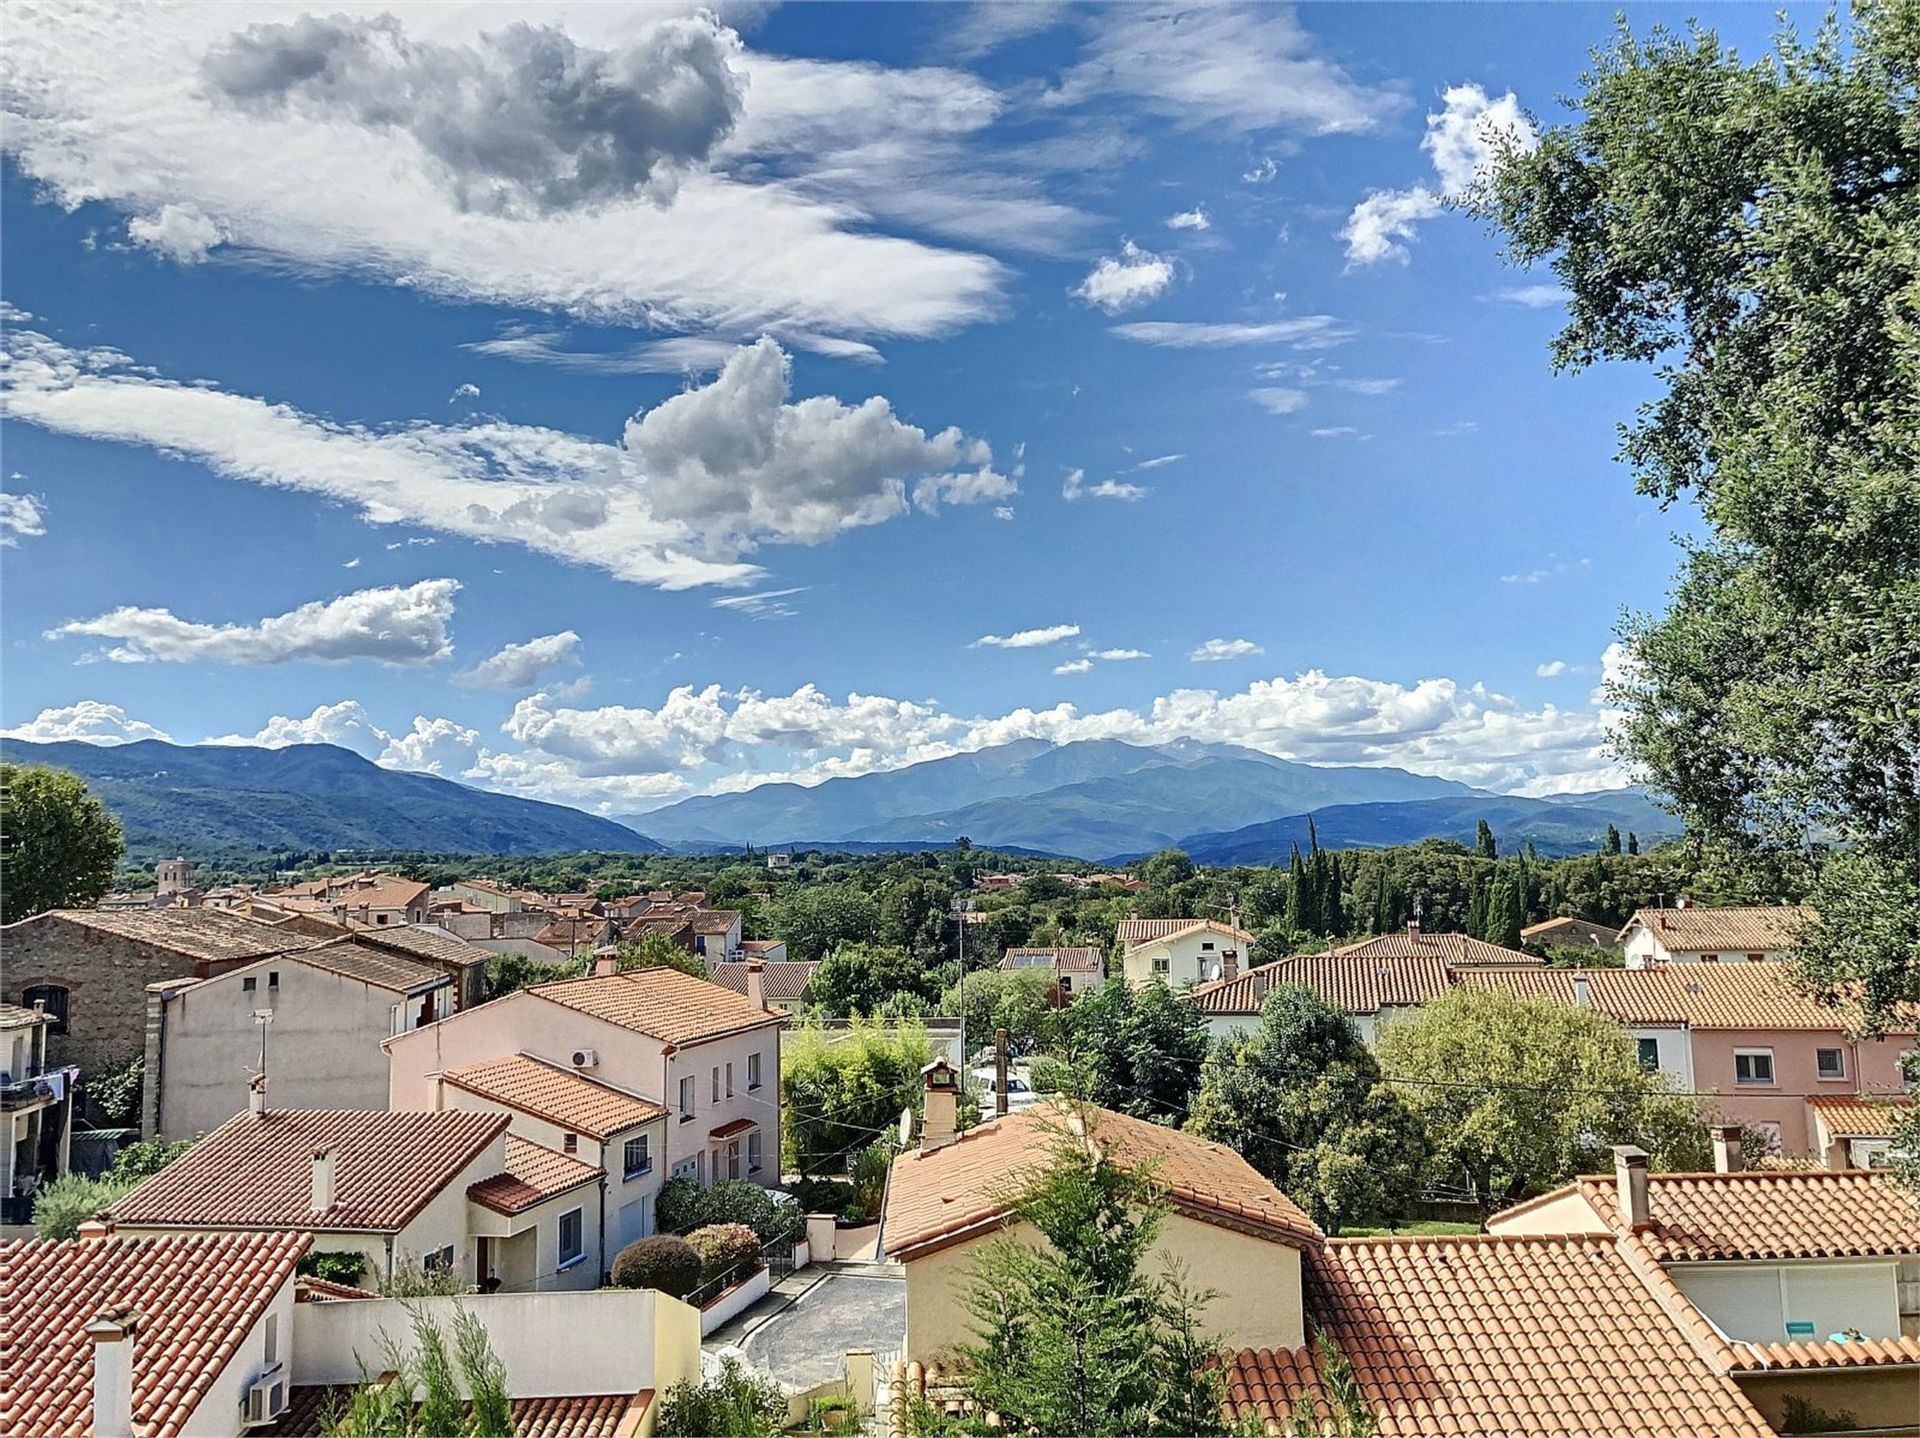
(1190, 960)
(1876, 1400)
(444, 1219)
(218, 1413)
(1756, 1301)
(1569, 1213)
(1871, 1066)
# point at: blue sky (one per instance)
(777, 393)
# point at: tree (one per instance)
(1517, 1095)
(1167, 868)
(1076, 1335)
(815, 919)
(842, 1092)
(1300, 1099)
(1633, 842)
(1774, 279)
(859, 978)
(1021, 1001)
(58, 843)
(657, 951)
(73, 1198)
(1137, 1050)
(734, 1403)
(1611, 844)
(1483, 844)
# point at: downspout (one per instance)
(606, 1268)
(390, 1258)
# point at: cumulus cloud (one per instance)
(1305, 332)
(1123, 281)
(88, 721)
(1465, 138)
(393, 625)
(177, 232)
(1075, 487)
(464, 391)
(1552, 669)
(346, 724)
(1278, 399)
(1074, 666)
(434, 746)
(517, 666)
(1114, 656)
(21, 517)
(1027, 638)
(1194, 219)
(1214, 650)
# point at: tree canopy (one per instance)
(1137, 1050)
(58, 843)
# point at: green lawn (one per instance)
(1419, 1226)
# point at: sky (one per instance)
(608, 404)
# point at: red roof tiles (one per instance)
(1733, 929)
(559, 1095)
(592, 1415)
(534, 1174)
(1353, 984)
(1453, 948)
(664, 1003)
(197, 1297)
(1857, 1116)
(1816, 1213)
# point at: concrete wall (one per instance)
(1877, 1400)
(444, 1219)
(612, 1340)
(1569, 1213)
(323, 1046)
(219, 1411)
(1756, 1301)
(1190, 960)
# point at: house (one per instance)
(1797, 1285)
(779, 863)
(1178, 951)
(572, 933)
(464, 963)
(709, 1055)
(565, 1111)
(1858, 1132)
(1366, 990)
(784, 986)
(768, 951)
(36, 1105)
(317, 1017)
(1568, 932)
(716, 933)
(514, 932)
(1075, 971)
(370, 897)
(1413, 942)
(448, 1190)
(1231, 1229)
(1646, 1005)
(485, 894)
(673, 927)
(90, 969)
(1689, 934)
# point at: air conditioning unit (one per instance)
(266, 1400)
(585, 1058)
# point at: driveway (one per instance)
(806, 1341)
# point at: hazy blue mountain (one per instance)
(209, 798)
(1554, 828)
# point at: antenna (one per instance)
(263, 1017)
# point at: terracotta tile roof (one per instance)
(593, 1415)
(1857, 1116)
(546, 1090)
(1083, 960)
(427, 942)
(534, 1174)
(575, 930)
(1132, 932)
(354, 960)
(210, 935)
(1569, 930)
(390, 893)
(1753, 996)
(947, 1195)
(786, 979)
(311, 1288)
(257, 1171)
(732, 1127)
(761, 946)
(1353, 984)
(671, 925)
(1813, 1213)
(664, 1003)
(196, 1296)
(1867, 1353)
(1484, 1336)
(715, 921)
(1646, 998)
(12, 1016)
(1750, 929)
(1453, 948)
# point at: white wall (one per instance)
(1756, 1301)
(1192, 959)
(218, 1413)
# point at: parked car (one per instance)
(1020, 1091)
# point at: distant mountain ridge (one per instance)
(211, 797)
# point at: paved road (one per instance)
(806, 1341)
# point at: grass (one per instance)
(1418, 1227)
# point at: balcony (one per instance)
(31, 1091)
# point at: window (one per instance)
(53, 998)
(753, 1151)
(1831, 1063)
(572, 1239)
(1160, 963)
(1206, 948)
(570, 1143)
(1649, 1054)
(716, 1083)
(1066, 984)
(729, 1080)
(273, 978)
(639, 1156)
(1754, 1066)
(440, 1260)
(753, 1072)
(688, 1168)
(1709, 958)
(1756, 958)
(733, 1159)
(247, 985)
(686, 1098)
(273, 1339)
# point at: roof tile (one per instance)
(664, 1003)
(546, 1090)
(1735, 928)
(1754, 1215)
(534, 1174)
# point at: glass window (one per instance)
(570, 1143)
(729, 1080)
(716, 1083)
(753, 1072)
(438, 1261)
(1753, 1066)
(249, 984)
(639, 1156)
(753, 1152)
(1832, 1063)
(686, 1098)
(572, 1238)
(53, 998)
(733, 1159)
(1649, 1054)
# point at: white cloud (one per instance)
(1276, 399)
(1552, 669)
(1124, 281)
(1114, 656)
(1465, 139)
(1367, 386)
(1215, 650)
(1159, 461)
(986, 25)
(88, 721)
(1552, 568)
(21, 517)
(393, 625)
(464, 391)
(346, 724)
(1531, 297)
(1194, 219)
(434, 746)
(1337, 431)
(1074, 666)
(1306, 332)
(177, 232)
(765, 604)
(1075, 487)
(699, 478)
(1027, 638)
(517, 666)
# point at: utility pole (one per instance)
(1000, 1073)
(960, 925)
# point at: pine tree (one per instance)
(1612, 844)
(1483, 844)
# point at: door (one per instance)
(636, 1219)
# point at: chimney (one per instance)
(257, 1095)
(1582, 990)
(606, 962)
(1229, 966)
(94, 1229)
(940, 1114)
(1682, 902)
(1727, 1157)
(439, 1082)
(1630, 1176)
(756, 983)
(1413, 927)
(326, 1165)
(112, 1331)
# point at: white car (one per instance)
(1019, 1090)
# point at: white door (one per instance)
(636, 1219)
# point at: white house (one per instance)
(1687, 934)
(1075, 971)
(1180, 951)
(711, 1057)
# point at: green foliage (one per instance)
(735, 1403)
(858, 978)
(684, 1205)
(1075, 1337)
(1774, 280)
(423, 1397)
(112, 1093)
(843, 1089)
(1300, 1099)
(1517, 1095)
(58, 843)
(70, 1200)
(1483, 844)
(508, 972)
(657, 951)
(1345, 1413)
(1137, 1050)
(1166, 868)
(1021, 1001)
(138, 1162)
(727, 1250)
(868, 1171)
(1799, 1415)
(671, 1265)
(336, 1265)
(817, 919)
(415, 1280)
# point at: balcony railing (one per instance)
(24, 1092)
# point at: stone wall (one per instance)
(106, 977)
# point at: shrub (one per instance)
(684, 1206)
(735, 1403)
(336, 1265)
(679, 1207)
(669, 1264)
(416, 1280)
(725, 1249)
(869, 1173)
(822, 1195)
(139, 1161)
(71, 1200)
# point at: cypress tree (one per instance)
(1296, 913)
(1612, 843)
(1483, 844)
(1633, 842)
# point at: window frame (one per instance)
(1819, 1070)
(689, 1096)
(1649, 1061)
(1772, 1080)
(629, 1169)
(756, 1151)
(579, 1217)
(753, 1071)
